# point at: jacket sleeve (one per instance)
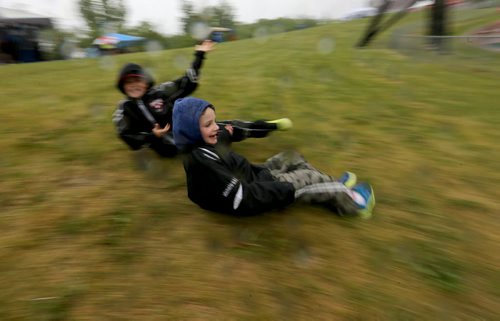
(217, 189)
(133, 138)
(186, 84)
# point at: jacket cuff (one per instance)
(200, 54)
(151, 138)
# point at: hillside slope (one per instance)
(93, 231)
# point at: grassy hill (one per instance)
(93, 231)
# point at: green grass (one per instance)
(93, 231)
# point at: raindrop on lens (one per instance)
(67, 48)
(96, 109)
(108, 27)
(302, 257)
(107, 62)
(150, 72)
(200, 31)
(153, 47)
(181, 62)
(260, 35)
(286, 81)
(326, 46)
(277, 28)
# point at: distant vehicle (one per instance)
(359, 13)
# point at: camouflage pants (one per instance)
(291, 167)
(311, 185)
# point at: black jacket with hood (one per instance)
(134, 125)
(219, 179)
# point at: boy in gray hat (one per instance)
(144, 117)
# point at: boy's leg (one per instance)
(303, 177)
(359, 200)
(286, 161)
(333, 195)
(290, 166)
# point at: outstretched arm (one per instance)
(193, 73)
(188, 83)
(205, 46)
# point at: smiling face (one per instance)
(208, 126)
(135, 87)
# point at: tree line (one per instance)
(103, 16)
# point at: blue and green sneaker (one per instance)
(367, 203)
(348, 179)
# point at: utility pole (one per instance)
(438, 24)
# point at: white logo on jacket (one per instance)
(230, 186)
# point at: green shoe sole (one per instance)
(367, 212)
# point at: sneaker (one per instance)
(348, 179)
(282, 123)
(365, 199)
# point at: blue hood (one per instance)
(186, 121)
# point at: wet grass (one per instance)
(91, 230)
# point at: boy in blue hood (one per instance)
(221, 180)
(144, 118)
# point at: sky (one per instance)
(165, 15)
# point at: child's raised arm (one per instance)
(205, 46)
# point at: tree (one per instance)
(100, 14)
(147, 30)
(220, 16)
(215, 16)
(57, 43)
(189, 17)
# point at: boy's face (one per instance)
(135, 87)
(208, 126)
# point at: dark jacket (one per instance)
(221, 180)
(134, 126)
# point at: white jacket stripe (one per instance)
(209, 154)
(238, 197)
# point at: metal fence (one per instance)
(410, 40)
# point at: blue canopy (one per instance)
(117, 40)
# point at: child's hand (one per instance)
(159, 132)
(205, 46)
(229, 128)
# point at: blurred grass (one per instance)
(92, 231)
